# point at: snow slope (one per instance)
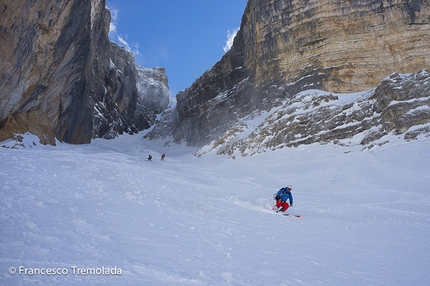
(208, 220)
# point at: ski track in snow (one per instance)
(208, 220)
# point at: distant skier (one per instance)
(281, 197)
(149, 158)
(162, 157)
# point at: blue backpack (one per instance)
(278, 194)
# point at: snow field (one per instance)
(208, 220)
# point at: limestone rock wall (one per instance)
(44, 75)
(346, 46)
(60, 76)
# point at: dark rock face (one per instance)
(61, 78)
(284, 47)
(114, 95)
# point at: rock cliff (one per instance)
(284, 47)
(345, 46)
(61, 78)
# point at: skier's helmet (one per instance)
(289, 187)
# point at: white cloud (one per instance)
(116, 37)
(114, 17)
(230, 38)
(122, 41)
(133, 47)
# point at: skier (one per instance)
(281, 197)
(149, 158)
(162, 157)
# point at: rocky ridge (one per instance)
(400, 105)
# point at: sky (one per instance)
(186, 37)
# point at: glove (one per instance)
(291, 204)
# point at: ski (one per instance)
(293, 215)
(289, 215)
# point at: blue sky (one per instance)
(186, 37)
